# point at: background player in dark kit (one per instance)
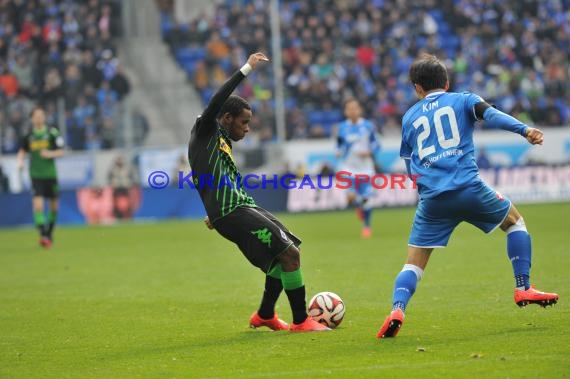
(44, 144)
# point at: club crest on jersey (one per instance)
(226, 148)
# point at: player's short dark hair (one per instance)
(351, 100)
(36, 108)
(234, 105)
(428, 72)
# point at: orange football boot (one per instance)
(274, 323)
(533, 296)
(392, 324)
(309, 325)
(45, 242)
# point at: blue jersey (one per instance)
(437, 138)
(353, 139)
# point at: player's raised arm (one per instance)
(213, 108)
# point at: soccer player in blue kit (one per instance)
(356, 146)
(437, 143)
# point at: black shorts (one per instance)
(47, 188)
(258, 234)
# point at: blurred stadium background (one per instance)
(125, 80)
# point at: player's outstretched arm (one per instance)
(497, 119)
(213, 108)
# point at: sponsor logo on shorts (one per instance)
(499, 195)
(283, 235)
(263, 235)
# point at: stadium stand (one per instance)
(513, 53)
(62, 51)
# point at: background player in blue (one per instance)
(356, 146)
(437, 143)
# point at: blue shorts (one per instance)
(364, 189)
(436, 218)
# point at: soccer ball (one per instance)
(327, 308)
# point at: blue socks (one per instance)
(367, 212)
(405, 286)
(519, 251)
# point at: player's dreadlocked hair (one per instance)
(234, 105)
(428, 72)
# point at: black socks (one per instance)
(298, 304)
(273, 288)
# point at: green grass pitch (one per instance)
(172, 300)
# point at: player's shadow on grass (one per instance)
(263, 333)
(197, 343)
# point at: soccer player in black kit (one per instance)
(263, 240)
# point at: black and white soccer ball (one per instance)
(327, 308)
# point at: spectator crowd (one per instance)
(61, 54)
(513, 53)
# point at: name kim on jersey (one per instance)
(430, 106)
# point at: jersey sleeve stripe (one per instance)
(212, 154)
(213, 138)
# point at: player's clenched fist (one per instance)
(535, 136)
(208, 223)
(255, 58)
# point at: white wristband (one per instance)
(246, 69)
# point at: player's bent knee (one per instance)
(513, 222)
(290, 259)
(417, 270)
(518, 226)
(38, 204)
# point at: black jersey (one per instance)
(46, 138)
(214, 171)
